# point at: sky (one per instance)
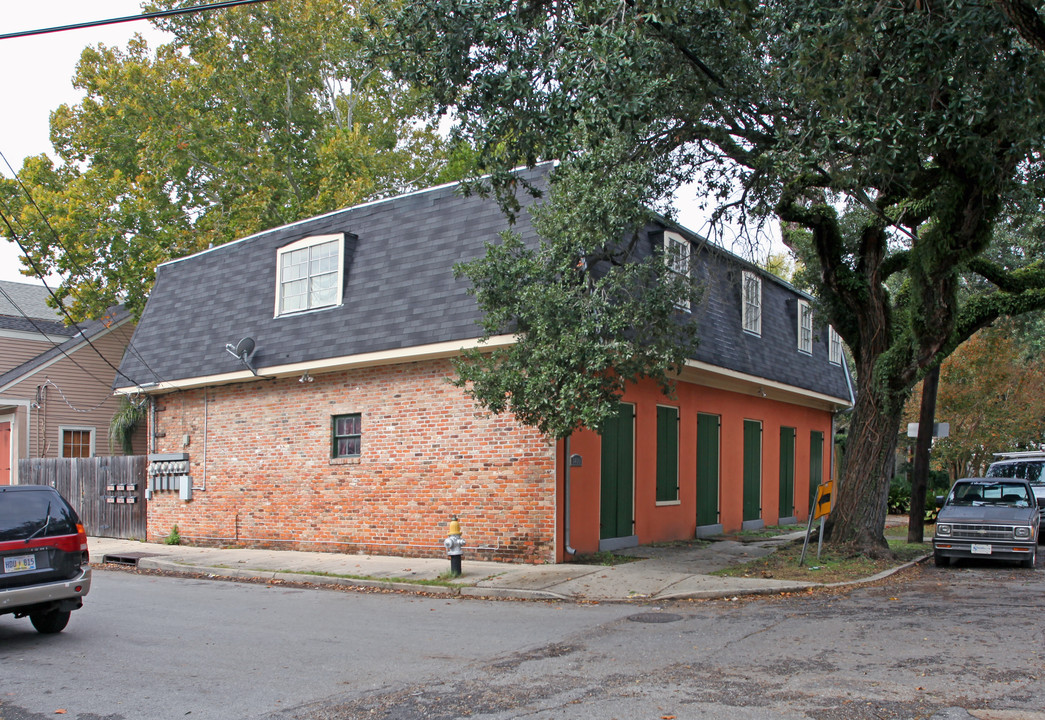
(38, 72)
(37, 78)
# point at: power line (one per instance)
(61, 307)
(57, 346)
(130, 18)
(76, 265)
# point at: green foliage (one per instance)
(892, 141)
(127, 418)
(173, 537)
(899, 503)
(589, 313)
(252, 117)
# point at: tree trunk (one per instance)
(920, 472)
(863, 487)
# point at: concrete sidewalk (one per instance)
(664, 573)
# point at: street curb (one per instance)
(472, 591)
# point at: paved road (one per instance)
(925, 644)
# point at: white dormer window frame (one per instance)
(677, 259)
(834, 346)
(751, 302)
(805, 327)
(310, 274)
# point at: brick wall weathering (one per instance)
(263, 476)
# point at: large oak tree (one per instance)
(924, 121)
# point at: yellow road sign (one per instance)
(823, 500)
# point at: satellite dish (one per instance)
(243, 350)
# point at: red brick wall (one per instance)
(427, 453)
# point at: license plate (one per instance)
(19, 563)
(980, 549)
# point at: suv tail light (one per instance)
(81, 536)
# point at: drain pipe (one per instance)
(566, 494)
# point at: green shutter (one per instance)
(617, 481)
(787, 472)
(816, 463)
(752, 470)
(707, 469)
(667, 454)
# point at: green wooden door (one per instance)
(618, 468)
(707, 468)
(787, 472)
(816, 463)
(752, 470)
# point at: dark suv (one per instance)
(44, 571)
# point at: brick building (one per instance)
(299, 399)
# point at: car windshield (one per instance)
(1001, 493)
(1023, 469)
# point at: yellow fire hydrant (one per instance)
(454, 546)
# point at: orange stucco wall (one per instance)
(655, 522)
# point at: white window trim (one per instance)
(750, 326)
(81, 428)
(304, 243)
(835, 346)
(805, 327)
(678, 248)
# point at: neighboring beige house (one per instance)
(55, 381)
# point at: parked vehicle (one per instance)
(1027, 465)
(44, 563)
(988, 517)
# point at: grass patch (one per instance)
(604, 557)
(768, 532)
(690, 543)
(834, 565)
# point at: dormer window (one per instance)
(309, 274)
(751, 309)
(835, 347)
(805, 327)
(676, 257)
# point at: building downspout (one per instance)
(152, 424)
(566, 496)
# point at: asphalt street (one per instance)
(947, 644)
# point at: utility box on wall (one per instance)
(170, 471)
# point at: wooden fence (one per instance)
(108, 493)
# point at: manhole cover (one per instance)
(655, 617)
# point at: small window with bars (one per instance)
(348, 436)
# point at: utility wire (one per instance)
(39, 274)
(57, 346)
(130, 18)
(77, 267)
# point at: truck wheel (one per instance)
(50, 622)
(941, 560)
(1029, 561)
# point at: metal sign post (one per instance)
(821, 509)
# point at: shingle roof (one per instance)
(399, 292)
(23, 307)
